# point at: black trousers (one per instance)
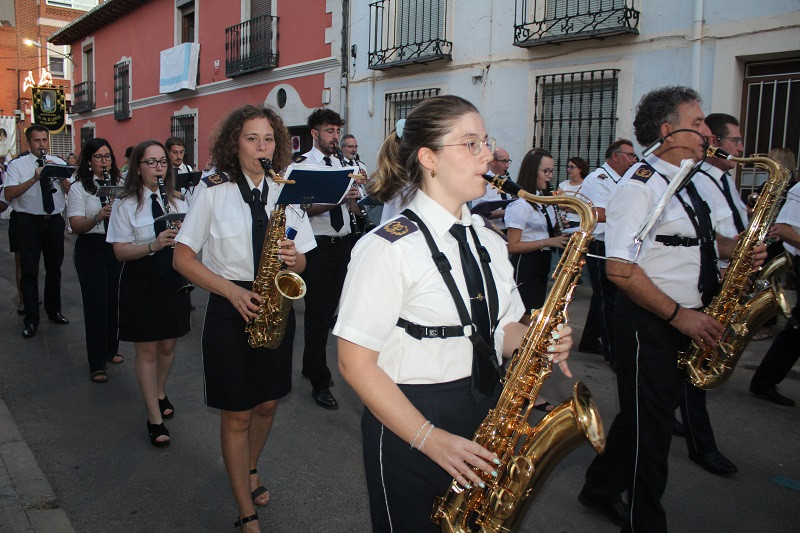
(649, 385)
(98, 274)
(785, 349)
(326, 267)
(696, 422)
(403, 482)
(593, 329)
(531, 271)
(40, 236)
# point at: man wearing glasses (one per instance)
(39, 227)
(326, 265)
(598, 188)
(497, 167)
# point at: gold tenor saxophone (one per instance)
(743, 306)
(528, 455)
(278, 286)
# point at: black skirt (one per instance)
(238, 377)
(150, 306)
(531, 271)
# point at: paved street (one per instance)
(90, 441)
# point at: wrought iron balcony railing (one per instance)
(251, 46)
(407, 31)
(547, 21)
(83, 99)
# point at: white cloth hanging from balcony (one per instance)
(179, 68)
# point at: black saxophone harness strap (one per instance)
(442, 332)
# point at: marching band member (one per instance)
(97, 267)
(228, 215)
(153, 312)
(430, 392)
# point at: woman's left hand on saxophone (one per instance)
(287, 252)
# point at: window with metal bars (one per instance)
(407, 31)
(61, 143)
(87, 134)
(182, 126)
(122, 90)
(543, 21)
(397, 105)
(575, 115)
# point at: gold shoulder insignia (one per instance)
(642, 174)
(395, 229)
(215, 179)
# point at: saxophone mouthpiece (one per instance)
(714, 151)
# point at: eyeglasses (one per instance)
(475, 145)
(99, 157)
(547, 171)
(331, 131)
(571, 167)
(153, 163)
(735, 140)
(504, 161)
(350, 146)
(632, 155)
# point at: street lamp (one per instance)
(31, 42)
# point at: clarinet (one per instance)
(184, 285)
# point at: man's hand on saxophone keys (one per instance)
(247, 303)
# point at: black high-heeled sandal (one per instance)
(155, 431)
(163, 405)
(258, 491)
(242, 521)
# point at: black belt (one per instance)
(45, 217)
(432, 332)
(333, 239)
(674, 240)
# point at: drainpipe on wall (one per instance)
(697, 44)
(345, 76)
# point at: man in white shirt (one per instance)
(497, 167)
(326, 265)
(598, 188)
(39, 227)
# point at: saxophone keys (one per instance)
(501, 503)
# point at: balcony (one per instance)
(83, 99)
(403, 32)
(251, 46)
(552, 21)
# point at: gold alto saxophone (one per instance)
(528, 454)
(743, 305)
(278, 286)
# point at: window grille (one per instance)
(182, 126)
(57, 66)
(397, 105)
(575, 115)
(543, 21)
(87, 134)
(122, 90)
(407, 31)
(61, 143)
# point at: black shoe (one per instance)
(29, 331)
(714, 462)
(677, 428)
(617, 512)
(324, 398)
(58, 318)
(591, 347)
(772, 394)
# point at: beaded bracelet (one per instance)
(421, 444)
(149, 249)
(674, 313)
(418, 432)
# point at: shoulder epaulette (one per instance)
(488, 223)
(643, 173)
(397, 229)
(298, 158)
(215, 179)
(601, 176)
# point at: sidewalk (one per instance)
(27, 502)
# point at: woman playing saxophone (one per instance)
(425, 385)
(228, 221)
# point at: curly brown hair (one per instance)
(225, 147)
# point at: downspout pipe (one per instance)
(697, 44)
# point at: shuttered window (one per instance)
(183, 126)
(397, 105)
(576, 115)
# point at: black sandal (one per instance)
(164, 405)
(155, 431)
(242, 521)
(258, 491)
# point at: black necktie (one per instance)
(708, 284)
(484, 376)
(47, 193)
(103, 200)
(337, 220)
(259, 217)
(550, 229)
(726, 190)
(160, 225)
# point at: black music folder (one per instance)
(484, 208)
(315, 185)
(184, 180)
(58, 172)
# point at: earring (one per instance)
(433, 173)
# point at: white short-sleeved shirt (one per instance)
(134, 224)
(493, 195)
(522, 214)
(598, 187)
(21, 170)
(220, 224)
(790, 214)
(321, 223)
(575, 191)
(84, 204)
(391, 277)
(673, 269)
(709, 184)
